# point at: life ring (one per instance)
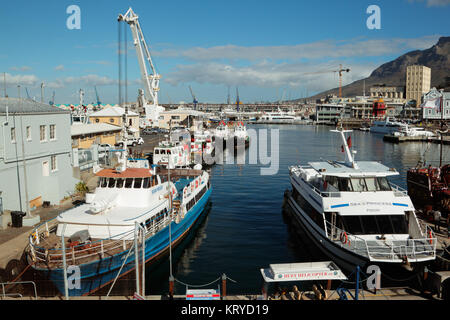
(344, 237)
(196, 184)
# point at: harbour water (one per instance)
(245, 230)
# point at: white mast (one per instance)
(349, 160)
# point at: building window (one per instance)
(52, 132)
(111, 120)
(97, 120)
(13, 135)
(53, 163)
(43, 135)
(28, 133)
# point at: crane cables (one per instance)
(122, 54)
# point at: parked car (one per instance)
(104, 147)
(131, 142)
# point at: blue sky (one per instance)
(269, 49)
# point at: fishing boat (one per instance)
(132, 207)
(241, 137)
(355, 215)
(222, 133)
(169, 154)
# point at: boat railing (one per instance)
(388, 250)
(398, 191)
(90, 250)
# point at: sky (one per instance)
(267, 50)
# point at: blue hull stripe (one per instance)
(399, 204)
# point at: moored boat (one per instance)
(355, 215)
(154, 207)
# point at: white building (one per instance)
(433, 101)
(35, 154)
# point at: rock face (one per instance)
(393, 73)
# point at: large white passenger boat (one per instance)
(387, 126)
(355, 215)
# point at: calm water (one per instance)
(244, 230)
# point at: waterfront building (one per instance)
(84, 135)
(180, 116)
(329, 113)
(114, 116)
(433, 102)
(35, 154)
(418, 80)
(387, 92)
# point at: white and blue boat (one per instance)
(355, 215)
(97, 237)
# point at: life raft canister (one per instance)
(430, 237)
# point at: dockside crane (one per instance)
(98, 99)
(340, 71)
(194, 99)
(238, 102)
(52, 102)
(150, 77)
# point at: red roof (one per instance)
(128, 173)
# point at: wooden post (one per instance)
(224, 285)
(329, 284)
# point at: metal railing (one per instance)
(4, 294)
(389, 251)
(98, 248)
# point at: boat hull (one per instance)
(97, 274)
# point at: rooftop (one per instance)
(366, 168)
(26, 106)
(112, 112)
(88, 128)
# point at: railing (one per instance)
(83, 252)
(398, 191)
(389, 251)
(4, 294)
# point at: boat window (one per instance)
(384, 223)
(168, 152)
(119, 183)
(344, 184)
(128, 182)
(146, 183)
(111, 183)
(372, 184)
(332, 181)
(104, 182)
(353, 224)
(399, 223)
(358, 184)
(163, 151)
(384, 184)
(156, 151)
(369, 224)
(137, 183)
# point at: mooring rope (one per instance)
(203, 285)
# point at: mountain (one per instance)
(393, 73)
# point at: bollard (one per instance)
(224, 285)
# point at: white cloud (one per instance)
(314, 50)
(26, 79)
(22, 68)
(433, 3)
(59, 67)
(316, 77)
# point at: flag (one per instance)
(349, 143)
